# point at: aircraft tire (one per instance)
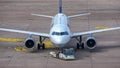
(82, 46)
(43, 46)
(40, 46)
(78, 46)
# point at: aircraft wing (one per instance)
(42, 15)
(78, 15)
(94, 31)
(25, 32)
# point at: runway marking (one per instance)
(11, 39)
(49, 44)
(20, 48)
(101, 27)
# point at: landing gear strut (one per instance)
(41, 45)
(80, 44)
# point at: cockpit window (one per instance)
(60, 33)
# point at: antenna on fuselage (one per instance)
(60, 6)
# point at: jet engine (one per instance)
(29, 43)
(91, 42)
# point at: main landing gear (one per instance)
(80, 44)
(41, 45)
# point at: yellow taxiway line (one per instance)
(49, 44)
(19, 48)
(101, 27)
(11, 40)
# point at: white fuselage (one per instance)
(60, 33)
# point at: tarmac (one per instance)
(15, 14)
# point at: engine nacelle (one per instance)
(29, 43)
(91, 42)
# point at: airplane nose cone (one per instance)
(60, 42)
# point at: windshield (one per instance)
(60, 33)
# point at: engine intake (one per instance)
(29, 43)
(91, 42)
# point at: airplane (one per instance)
(60, 33)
